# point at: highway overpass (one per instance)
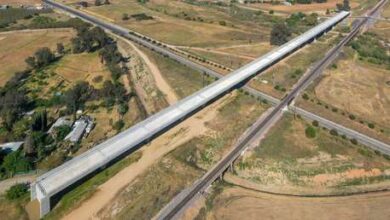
(59, 180)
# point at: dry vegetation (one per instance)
(313, 7)
(17, 3)
(287, 161)
(15, 47)
(144, 197)
(179, 23)
(82, 67)
(239, 203)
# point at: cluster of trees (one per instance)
(13, 103)
(89, 39)
(41, 58)
(112, 58)
(102, 2)
(308, 1)
(300, 19)
(370, 48)
(344, 6)
(280, 34)
(17, 191)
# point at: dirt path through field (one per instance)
(6, 184)
(188, 129)
(161, 83)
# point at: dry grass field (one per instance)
(287, 161)
(20, 2)
(82, 67)
(15, 47)
(358, 88)
(239, 203)
(172, 23)
(314, 7)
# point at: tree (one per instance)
(280, 34)
(39, 121)
(61, 132)
(310, 132)
(346, 6)
(12, 105)
(15, 162)
(107, 2)
(43, 57)
(123, 108)
(30, 62)
(77, 96)
(29, 146)
(333, 132)
(315, 123)
(97, 3)
(60, 48)
(99, 36)
(125, 16)
(17, 191)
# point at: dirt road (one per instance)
(161, 83)
(6, 184)
(188, 129)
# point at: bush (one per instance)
(310, 132)
(17, 191)
(334, 132)
(352, 117)
(315, 123)
(371, 125)
(118, 125)
(305, 96)
(354, 141)
(223, 23)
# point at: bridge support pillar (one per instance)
(231, 168)
(44, 206)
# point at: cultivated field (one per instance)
(238, 203)
(15, 47)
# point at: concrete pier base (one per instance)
(44, 206)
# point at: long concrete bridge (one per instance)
(56, 182)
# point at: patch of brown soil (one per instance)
(350, 174)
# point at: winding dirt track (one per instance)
(161, 83)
